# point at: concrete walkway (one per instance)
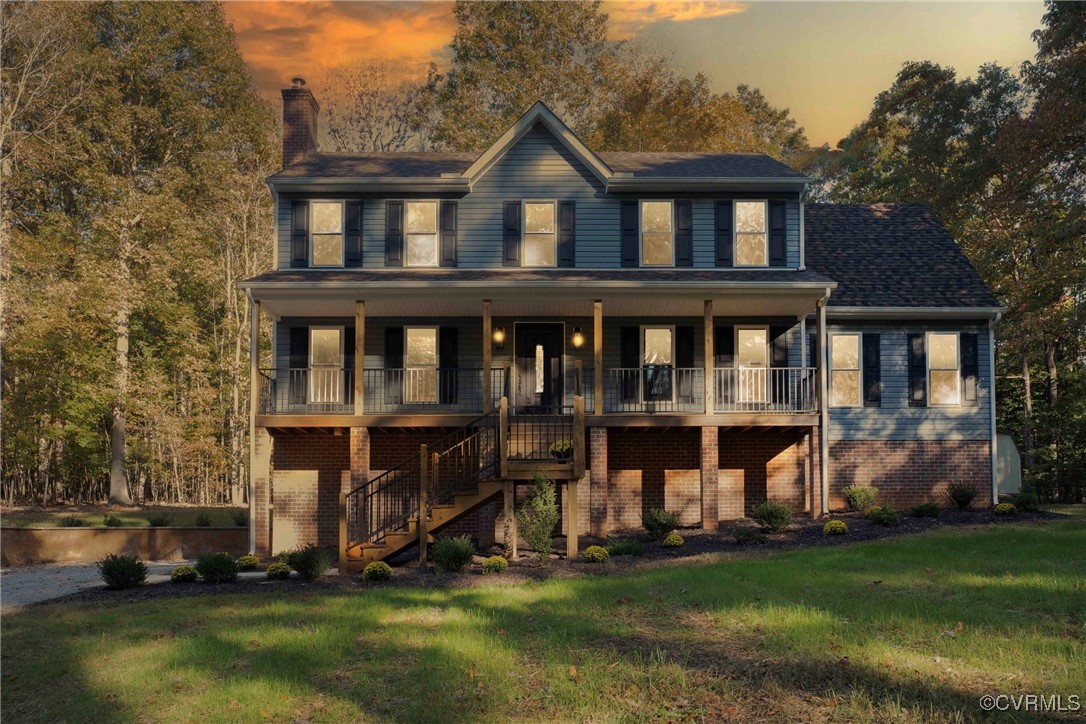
(23, 585)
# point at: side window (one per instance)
(845, 370)
(944, 369)
(657, 234)
(421, 230)
(327, 235)
(751, 236)
(540, 247)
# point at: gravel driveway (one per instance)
(23, 585)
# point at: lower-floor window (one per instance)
(420, 363)
(752, 357)
(657, 363)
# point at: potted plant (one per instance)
(561, 450)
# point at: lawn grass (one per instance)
(906, 629)
(135, 517)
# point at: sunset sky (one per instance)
(824, 60)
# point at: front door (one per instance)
(538, 349)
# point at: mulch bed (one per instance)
(701, 546)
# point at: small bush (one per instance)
(241, 518)
(773, 517)
(278, 571)
(72, 521)
(538, 516)
(674, 541)
(248, 563)
(311, 561)
(561, 449)
(112, 521)
(203, 520)
(184, 574)
(452, 554)
(924, 510)
(623, 548)
(961, 495)
(883, 515)
(217, 567)
(747, 536)
(494, 565)
(835, 527)
(158, 521)
(1027, 502)
(377, 571)
(595, 554)
(860, 497)
(659, 522)
(1005, 509)
(120, 572)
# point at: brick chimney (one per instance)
(300, 111)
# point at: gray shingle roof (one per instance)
(890, 255)
(576, 276)
(379, 165)
(698, 165)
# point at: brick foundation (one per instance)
(259, 515)
(653, 468)
(759, 466)
(306, 481)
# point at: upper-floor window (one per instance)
(327, 225)
(657, 234)
(845, 370)
(421, 230)
(540, 239)
(944, 369)
(751, 239)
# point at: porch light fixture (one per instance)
(499, 337)
(578, 338)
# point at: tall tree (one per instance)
(370, 106)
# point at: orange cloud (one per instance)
(630, 18)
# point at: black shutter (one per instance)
(448, 233)
(724, 358)
(723, 225)
(970, 370)
(630, 361)
(777, 252)
(812, 349)
(778, 357)
(684, 360)
(353, 232)
(299, 362)
(684, 233)
(348, 364)
(567, 233)
(448, 362)
(511, 233)
(394, 233)
(393, 365)
(628, 231)
(299, 234)
(872, 370)
(918, 371)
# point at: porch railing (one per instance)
(782, 390)
(541, 435)
(654, 389)
(429, 391)
(306, 390)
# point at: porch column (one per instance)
(571, 518)
(709, 383)
(254, 408)
(597, 481)
(823, 410)
(260, 441)
(597, 356)
(710, 474)
(488, 348)
(359, 357)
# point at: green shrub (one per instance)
(112, 521)
(377, 571)
(1005, 509)
(241, 518)
(72, 521)
(961, 495)
(561, 449)
(773, 517)
(659, 522)
(1027, 501)
(746, 535)
(217, 567)
(203, 520)
(310, 561)
(623, 548)
(596, 554)
(835, 527)
(278, 571)
(452, 554)
(883, 515)
(248, 563)
(924, 510)
(120, 572)
(494, 564)
(158, 521)
(538, 516)
(674, 541)
(184, 574)
(860, 497)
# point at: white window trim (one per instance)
(641, 358)
(312, 393)
(768, 359)
(859, 368)
(641, 234)
(437, 233)
(957, 377)
(407, 366)
(342, 234)
(736, 233)
(524, 229)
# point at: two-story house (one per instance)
(650, 330)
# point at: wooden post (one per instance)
(578, 378)
(503, 437)
(710, 383)
(254, 409)
(343, 532)
(488, 347)
(424, 494)
(571, 519)
(510, 542)
(823, 408)
(359, 357)
(597, 356)
(578, 437)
